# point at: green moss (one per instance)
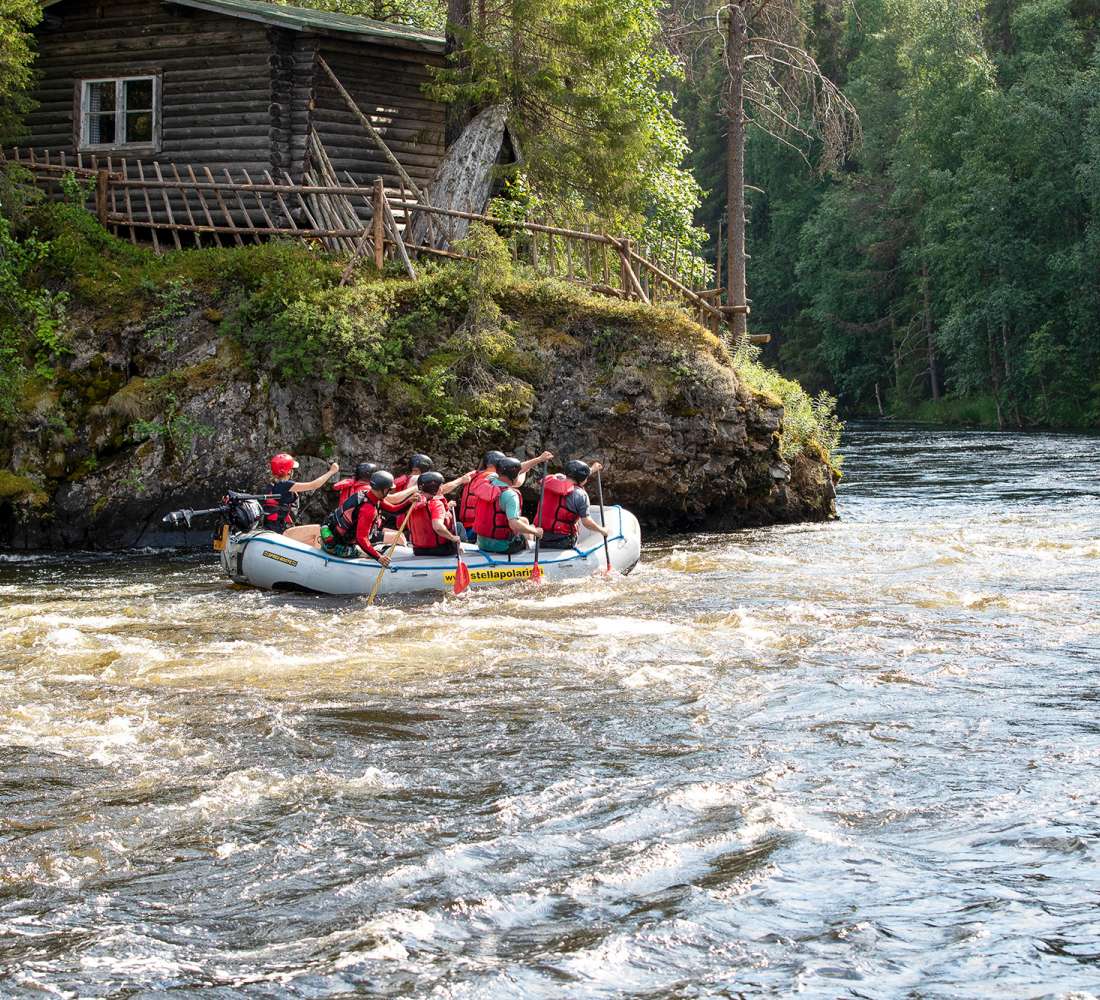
(16, 488)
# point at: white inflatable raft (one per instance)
(266, 559)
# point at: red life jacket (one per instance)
(489, 519)
(280, 509)
(344, 521)
(555, 518)
(421, 533)
(346, 487)
(467, 506)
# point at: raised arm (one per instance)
(527, 466)
(313, 484)
(455, 483)
(396, 499)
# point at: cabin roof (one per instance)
(303, 19)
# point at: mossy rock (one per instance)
(15, 488)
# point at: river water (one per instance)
(859, 759)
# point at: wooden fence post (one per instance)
(102, 180)
(379, 222)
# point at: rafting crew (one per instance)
(283, 500)
(467, 505)
(565, 506)
(498, 521)
(357, 523)
(392, 513)
(372, 506)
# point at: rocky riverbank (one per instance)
(178, 377)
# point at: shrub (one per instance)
(808, 422)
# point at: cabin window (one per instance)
(118, 113)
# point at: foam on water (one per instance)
(854, 759)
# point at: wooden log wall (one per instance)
(215, 78)
(386, 82)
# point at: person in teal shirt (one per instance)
(510, 529)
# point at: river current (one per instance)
(857, 759)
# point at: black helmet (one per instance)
(381, 481)
(364, 470)
(429, 482)
(421, 462)
(492, 458)
(577, 471)
(509, 468)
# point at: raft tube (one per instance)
(269, 560)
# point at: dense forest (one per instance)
(921, 179)
(954, 256)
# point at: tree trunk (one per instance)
(459, 113)
(930, 343)
(994, 378)
(737, 294)
(462, 181)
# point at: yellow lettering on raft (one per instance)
(278, 558)
(495, 574)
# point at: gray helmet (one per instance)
(364, 470)
(492, 458)
(429, 482)
(381, 481)
(577, 471)
(509, 468)
(421, 462)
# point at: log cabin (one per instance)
(234, 85)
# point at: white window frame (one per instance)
(152, 143)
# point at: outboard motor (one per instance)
(244, 515)
(241, 511)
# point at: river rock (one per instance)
(98, 459)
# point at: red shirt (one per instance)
(368, 515)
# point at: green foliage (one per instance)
(429, 14)
(174, 299)
(17, 18)
(959, 252)
(587, 86)
(176, 429)
(31, 318)
(809, 422)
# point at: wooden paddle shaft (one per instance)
(389, 552)
(603, 517)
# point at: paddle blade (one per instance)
(536, 573)
(462, 577)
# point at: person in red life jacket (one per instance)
(353, 484)
(357, 524)
(498, 523)
(393, 512)
(281, 508)
(565, 506)
(467, 505)
(431, 523)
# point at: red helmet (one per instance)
(283, 464)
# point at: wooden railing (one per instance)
(172, 208)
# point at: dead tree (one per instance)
(773, 83)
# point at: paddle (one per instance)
(536, 569)
(462, 573)
(603, 519)
(397, 539)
